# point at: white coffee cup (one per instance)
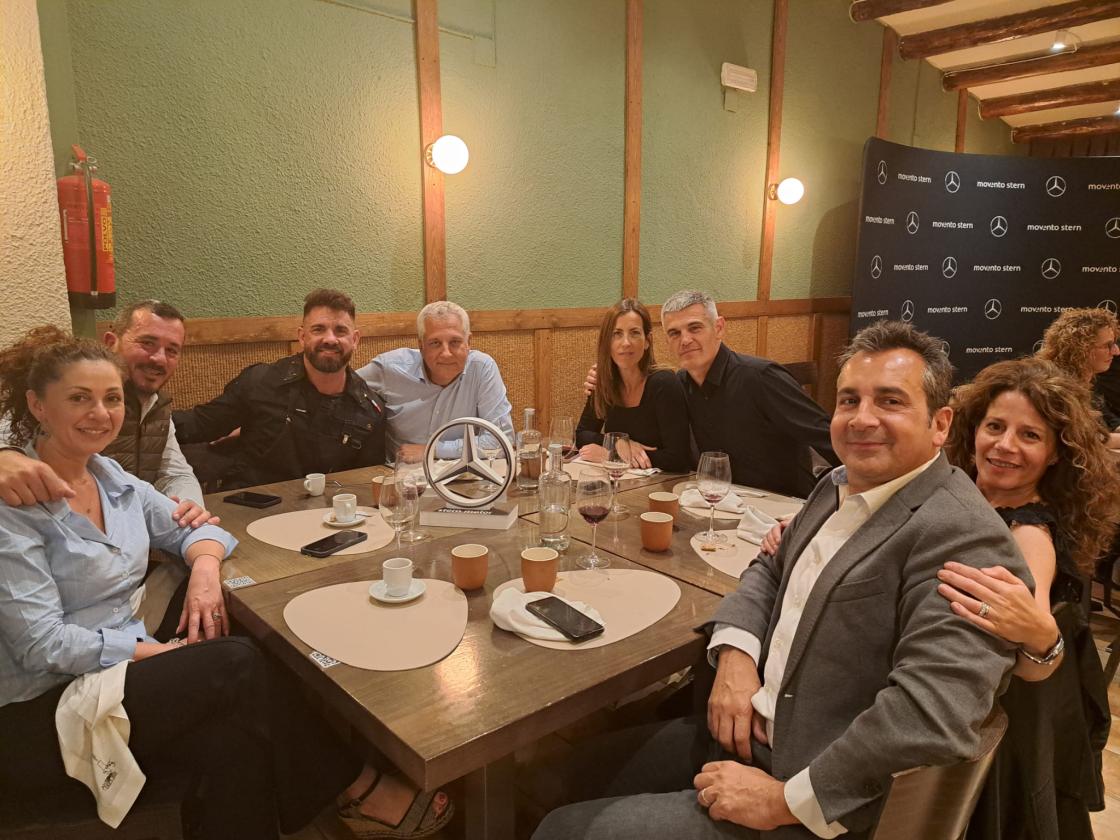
(397, 574)
(315, 483)
(345, 508)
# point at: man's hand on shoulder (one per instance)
(25, 481)
(742, 795)
(592, 380)
(730, 713)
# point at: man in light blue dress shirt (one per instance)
(441, 381)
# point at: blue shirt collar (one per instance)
(98, 467)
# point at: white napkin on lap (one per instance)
(731, 503)
(755, 525)
(508, 612)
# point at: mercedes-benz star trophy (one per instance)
(471, 487)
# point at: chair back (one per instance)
(805, 374)
(935, 803)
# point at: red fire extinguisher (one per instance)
(85, 209)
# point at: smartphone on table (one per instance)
(253, 500)
(564, 617)
(335, 542)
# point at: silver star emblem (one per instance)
(1112, 227)
(912, 222)
(907, 311)
(998, 226)
(876, 266)
(1110, 305)
(1051, 268)
(993, 309)
(949, 267)
(882, 173)
(1055, 186)
(952, 181)
(470, 463)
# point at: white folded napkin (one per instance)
(508, 612)
(755, 525)
(630, 470)
(731, 503)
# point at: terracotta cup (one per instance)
(375, 485)
(657, 530)
(663, 502)
(538, 569)
(469, 564)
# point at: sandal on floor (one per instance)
(421, 819)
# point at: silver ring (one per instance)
(703, 798)
(216, 616)
(984, 610)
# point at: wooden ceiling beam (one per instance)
(994, 30)
(862, 10)
(1109, 124)
(1088, 93)
(1093, 55)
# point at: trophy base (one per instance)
(438, 514)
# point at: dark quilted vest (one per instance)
(139, 447)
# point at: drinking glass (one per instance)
(617, 445)
(412, 469)
(593, 501)
(713, 480)
(562, 430)
(399, 503)
(490, 447)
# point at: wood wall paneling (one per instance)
(632, 165)
(773, 149)
(431, 127)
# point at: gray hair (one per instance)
(690, 297)
(937, 378)
(438, 310)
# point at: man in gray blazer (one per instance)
(837, 663)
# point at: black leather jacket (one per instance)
(287, 428)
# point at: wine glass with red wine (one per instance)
(713, 480)
(593, 501)
(562, 430)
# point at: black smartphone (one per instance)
(564, 617)
(335, 542)
(254, 500)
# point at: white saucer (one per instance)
(378, 593)
(329, 520)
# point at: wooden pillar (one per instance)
(886, 65)
(632, 171)
(773, 158)
(431, 127)
(962, 119)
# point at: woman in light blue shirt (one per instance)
(70, 572)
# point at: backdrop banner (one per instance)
(984, 251)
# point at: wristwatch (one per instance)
(1050, 655)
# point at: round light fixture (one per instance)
(449, 154)
(1063, 40)
(789, 191)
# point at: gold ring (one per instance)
(703, 798)
(984, 610)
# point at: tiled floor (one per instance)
(1106, 824)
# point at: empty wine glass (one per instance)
(562, 430)
(412, 468)
(593, 500)
(399, 503)
(713, 480)
(617, 445)
(490, 447)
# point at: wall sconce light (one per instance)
(1064, 40)
(789, 191)
(449, 154)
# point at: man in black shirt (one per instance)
(748, 407)
(304, 413)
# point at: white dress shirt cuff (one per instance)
(802, 802)
(736, 637)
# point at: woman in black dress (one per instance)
(633, 395)
(1026, 433)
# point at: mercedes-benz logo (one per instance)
(1055, 186)
(949, 267)
(946, 348)
(998, 226)
(1051, 268)
(882, 172)
(876, 266)
(952, 181)
(912, 222)
(1110, 305)
(907, 311)
(993, 309)
(1112, 228)
(469, 463)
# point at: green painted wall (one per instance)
(258, 148)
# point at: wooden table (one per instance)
(465, 715)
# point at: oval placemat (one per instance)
(346, 624)
(731, 559)
(297, 528)
(776, 506)
(629, 600)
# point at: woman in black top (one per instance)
(634, 396)
(1026, 433)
